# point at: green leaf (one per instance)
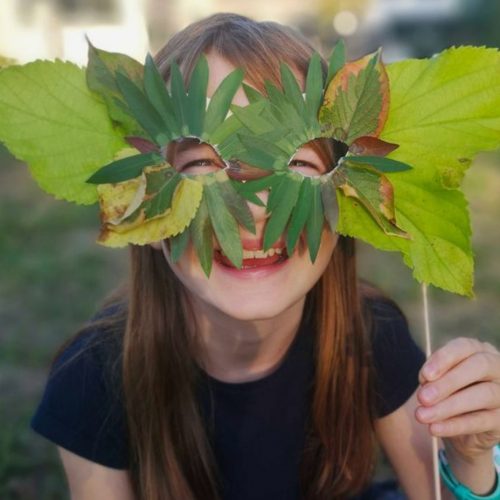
(273, 199)
(258, 154)
(287, 192)
(143, 110)
(356, 101)
(178, 245)
(179, 97)
(159, 97)
(374, 191)
(101, 78)
(197, 97)
(299, 215)
(225, 226)
(125, 168)
(292, 89)
(330, 206)
(234, 202)
(162, 199)
(314, 87)
(252, 94)
(202, 235)
(444, 110)
(314, 224)
(336, 61)
(51, 120)
(380, 163)
(221, 101)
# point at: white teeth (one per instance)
(260, 254)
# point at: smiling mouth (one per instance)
(254, 258)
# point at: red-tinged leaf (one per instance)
(356, 102)
(142, 145)
(372, 146)
(373, 190)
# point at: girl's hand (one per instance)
(460, 396)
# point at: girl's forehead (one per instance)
(220, 67)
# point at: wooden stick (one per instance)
(428, 352)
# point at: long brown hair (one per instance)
(171, 457)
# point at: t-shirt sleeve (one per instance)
(81, 408)
(397, 358)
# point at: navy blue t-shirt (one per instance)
(257, 428)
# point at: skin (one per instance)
(245, 336)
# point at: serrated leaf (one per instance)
(115, 199)
(287, 192)
(299, 215)
(101, 78)
(197, 97)
(124, 168)
(330, 206)
(202, 236)
(336, 60)
(356, 102)
(380, 163)
(178, 245)
(142, 110)
(220, 102)
(185, 203)
(225, 226)
(234, 202)
(51, 120)
(314, 223)
(444, 110)
(159, 97)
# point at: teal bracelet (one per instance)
(461, 491)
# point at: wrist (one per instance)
(470, 478)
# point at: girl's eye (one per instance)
(200, 166)
(305, 168)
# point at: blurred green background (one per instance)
(52, 273)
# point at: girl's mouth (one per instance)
(254, 258)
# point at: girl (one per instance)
(274, 381)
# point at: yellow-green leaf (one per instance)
(50, 120)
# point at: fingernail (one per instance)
(429, 393)
(430, 370)
(426, 413)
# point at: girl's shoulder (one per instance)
(81, 408)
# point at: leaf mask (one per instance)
(67, 123)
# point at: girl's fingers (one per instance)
(478, 367)
(482, 396)
(450, 355)
(484, 421)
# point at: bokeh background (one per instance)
(53, 275)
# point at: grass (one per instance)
(54, 276)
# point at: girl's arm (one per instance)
(88, 480)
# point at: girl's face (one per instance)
(267, 284)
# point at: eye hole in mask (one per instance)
(189, 155)
(318, 157)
